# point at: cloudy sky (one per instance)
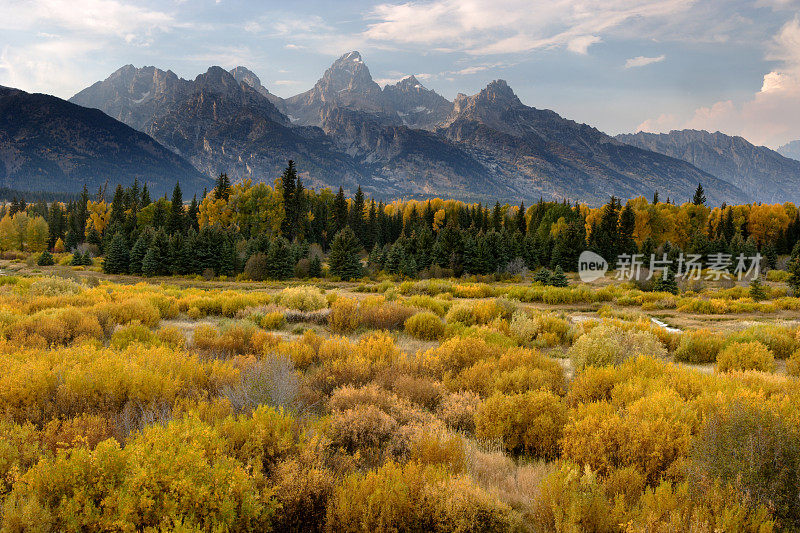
(620, 65)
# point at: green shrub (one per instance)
(426, 326)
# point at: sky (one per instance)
(619, 65)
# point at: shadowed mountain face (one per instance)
(400, 140)
(49, 144)
(790, 150)
(538, 149)
(763, 174)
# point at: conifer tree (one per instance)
(193, 214)
(394, 258)
(655, 198)
(151, 263)
(339, 212)
(223, 188)
(356, 215)
(117, 207)
(757, 290)
(699, 195)
(543, 276)
(117, 257)
(794, 270)
(315, 267)
(280, 260)
(288, 188)
(45, 259)
(343, 258)
(145, 197)
(558, 278)
(139, 250)
(666, 282)
(521, 225)
(176, 217)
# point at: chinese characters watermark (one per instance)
(712, 267)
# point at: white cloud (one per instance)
(642, 61)
(482, 27)
(97, 17)
(772, 116)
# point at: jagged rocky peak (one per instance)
(496, 94)
(348, 73)
(245, 75)
(417, 106)
(219, 80)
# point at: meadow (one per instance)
(384, 404)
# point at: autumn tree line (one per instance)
(284, 230)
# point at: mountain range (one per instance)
(763, 174)
(48, 144)
(406, 140)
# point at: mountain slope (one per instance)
(765, 175)
(49, 144)
(542, 153)
(790, 150)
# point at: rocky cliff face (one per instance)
(48, 144)
(763, 174)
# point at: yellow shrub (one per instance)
(529, 423)
(134, 309)
(456, 354)
(345, 316)
(699, 347)
(610, 345)
(302, 298)
(793, 364)
(745, 356)
(273, 320)
(425, 326)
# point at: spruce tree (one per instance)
(151, 264)
(77, 258)
(356, 215)
(45, 259)
(770, 256)
(289, 186)
(757, 290)
(558, 279)
(145, 197)
(666, 282)
(315, 267)
(176, 219)
(280, 260)
(521, 225)
(118, 207)
(339, 211)
(794, 270)
(543, 276)
(394, 258)
(139, 250)
(343, 258)
(699, 195)
(117, 257)
(223, 188)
